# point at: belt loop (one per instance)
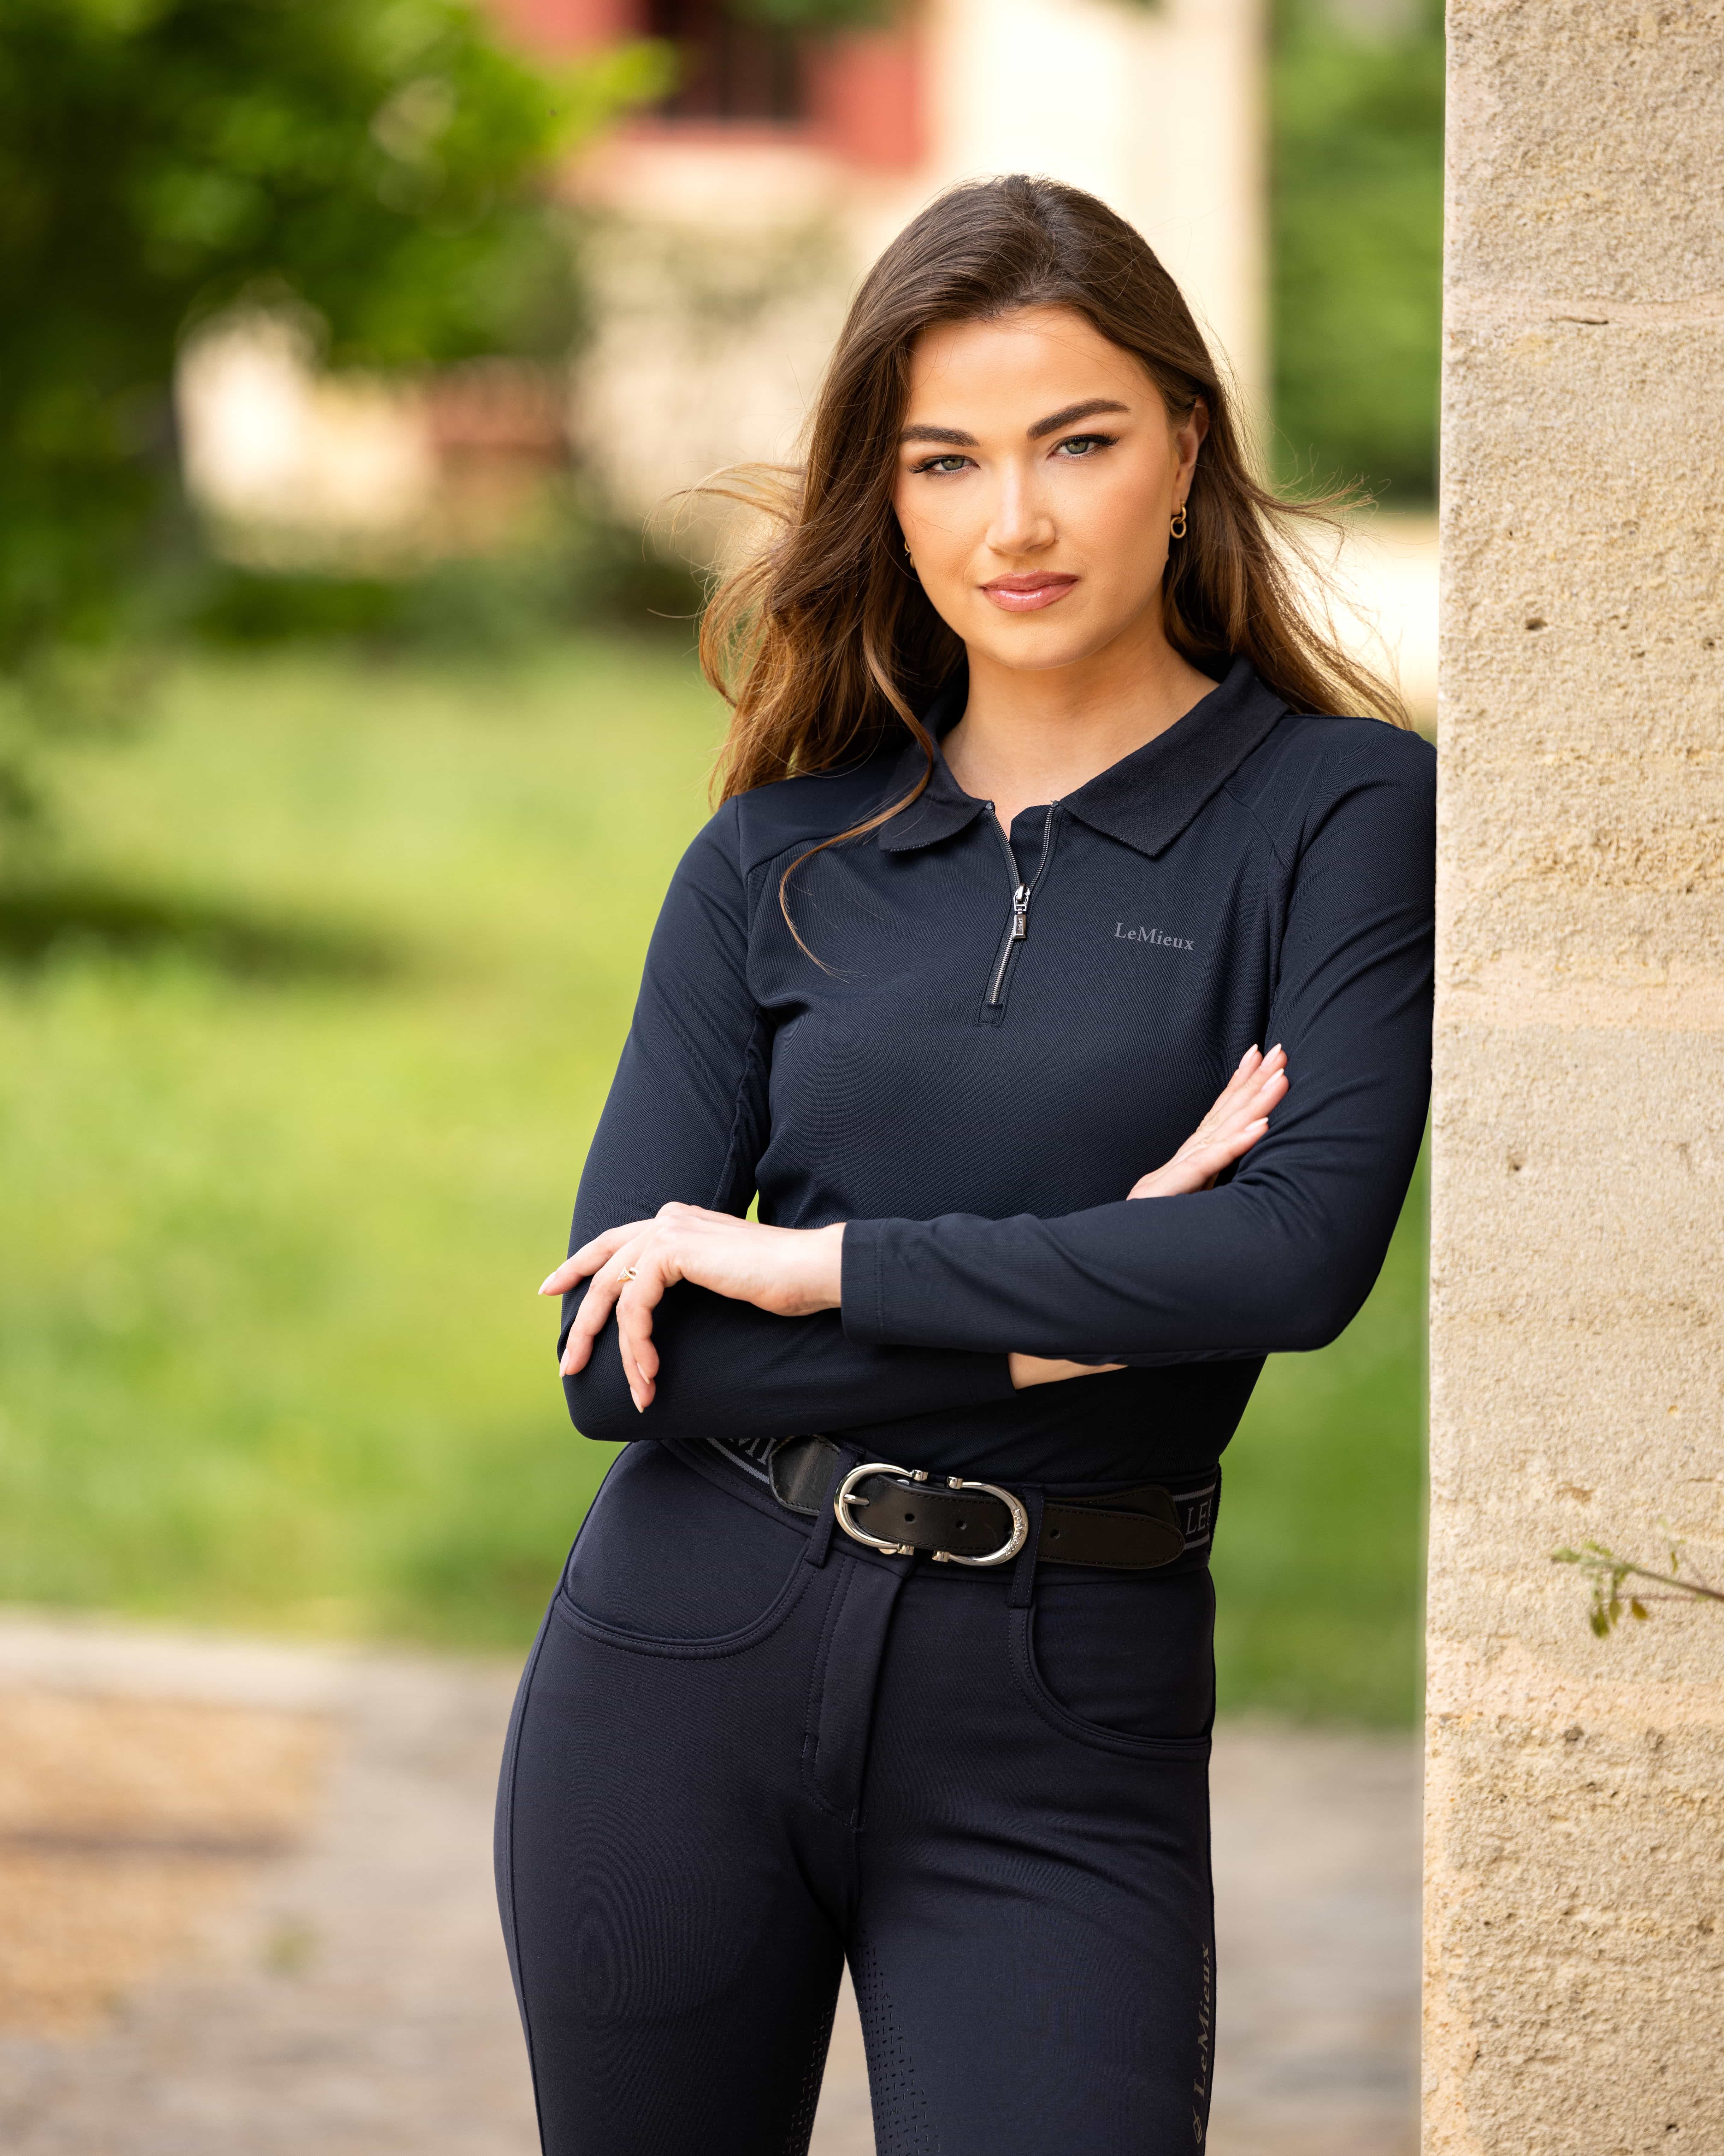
(819, 1539)
(1023, 1590)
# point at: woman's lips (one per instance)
(1024, 594)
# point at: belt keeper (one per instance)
(820, 1540)
(1022, 1591)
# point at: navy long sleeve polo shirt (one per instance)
(997, 1034)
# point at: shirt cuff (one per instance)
(861, 1305)
(863, 1271)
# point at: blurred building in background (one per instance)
(295, 466)
(734, 220)
(724, 232)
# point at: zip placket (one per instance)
(1018, 928)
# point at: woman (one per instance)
(894, 1641)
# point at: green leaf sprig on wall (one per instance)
(1609, 1573)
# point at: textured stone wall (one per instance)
(1575, 1903)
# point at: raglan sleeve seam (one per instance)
(737, 1146)
(751, 1068)
(1282, 866)
(1280, 880)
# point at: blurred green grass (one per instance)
(1319, 1559)
(300, 1050)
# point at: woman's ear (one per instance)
(1189, 434)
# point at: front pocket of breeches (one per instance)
(667, 1564)
(1126, 1664)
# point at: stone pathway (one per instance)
(229, 1960)
(1317, 1875)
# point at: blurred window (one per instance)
(732, 70)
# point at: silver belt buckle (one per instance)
(848, 1495)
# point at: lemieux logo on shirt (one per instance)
(1124, 935)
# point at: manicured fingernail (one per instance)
(546, 1288)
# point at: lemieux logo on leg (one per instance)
(1124, 935)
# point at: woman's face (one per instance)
(1038, 471)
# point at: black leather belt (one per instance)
(902, 1510)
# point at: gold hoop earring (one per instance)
(1178, 525)
(908, 557)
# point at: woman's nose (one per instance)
(1020, 524)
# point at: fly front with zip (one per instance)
(997, 1034)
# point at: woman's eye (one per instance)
(1084, 445)
(951, 463)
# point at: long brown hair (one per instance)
(824, 643)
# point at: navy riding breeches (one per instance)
(746, 1748)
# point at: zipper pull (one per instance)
(1019, 913)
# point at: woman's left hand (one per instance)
(1238, 1120)
(790, 1271)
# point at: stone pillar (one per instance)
(1575, 1907)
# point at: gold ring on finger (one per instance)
(628, 1272)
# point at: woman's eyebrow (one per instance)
(1087, 410)
(955, 438)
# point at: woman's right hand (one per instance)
(1238, 1120)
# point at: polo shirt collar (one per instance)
(942, 806)
(1145, 800)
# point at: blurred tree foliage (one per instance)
(379, 162)
(1357, 242)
